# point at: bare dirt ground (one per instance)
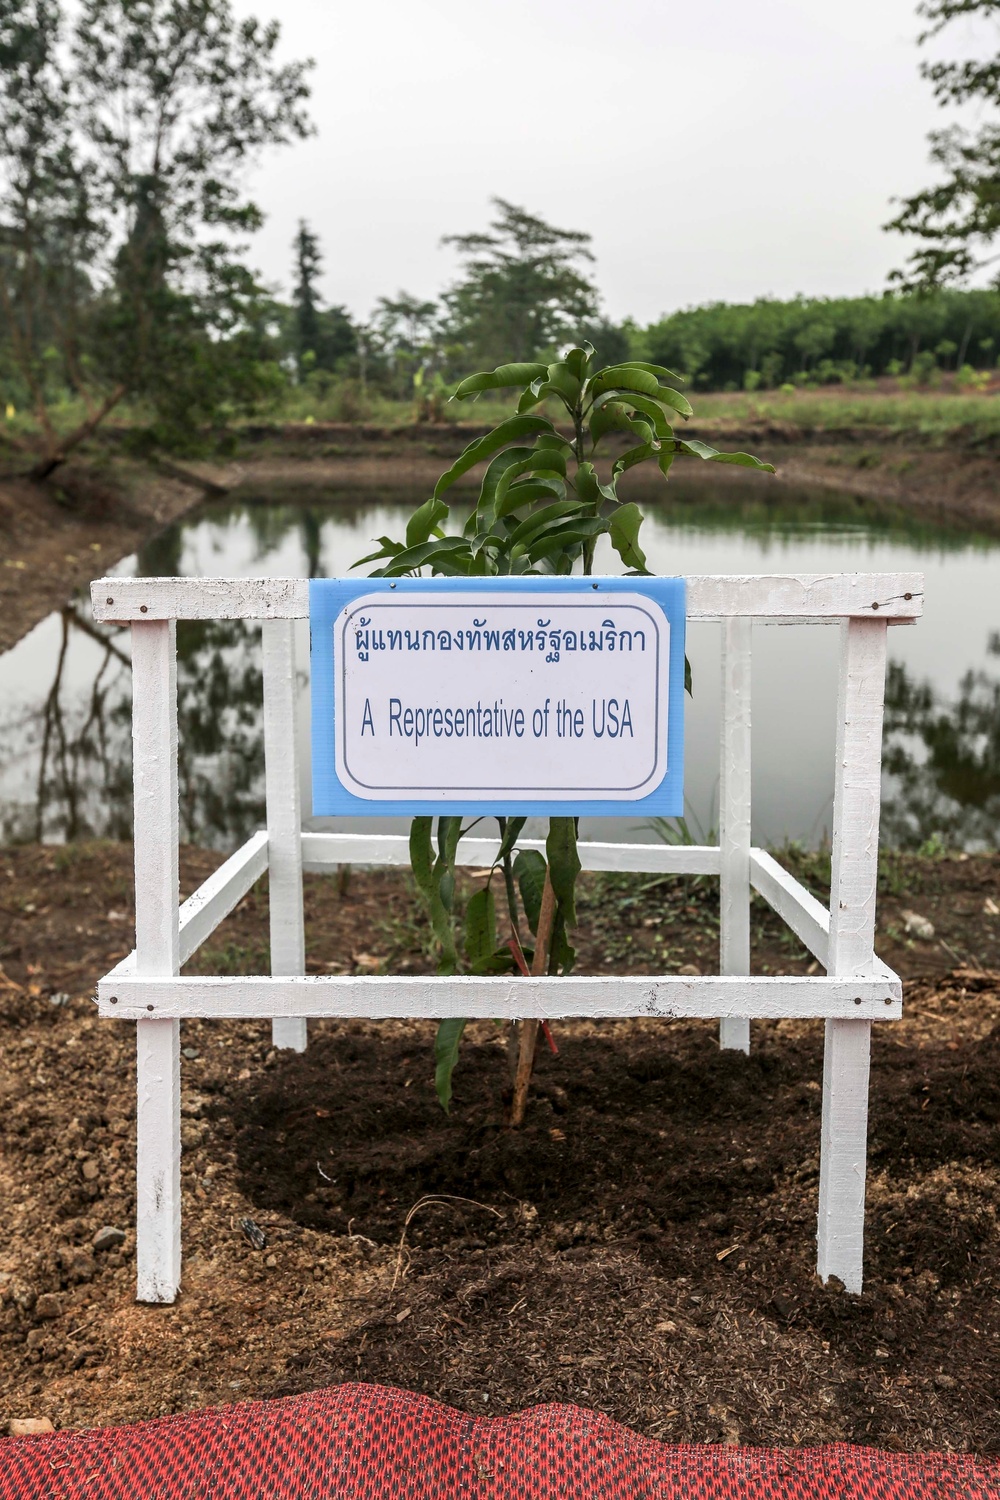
(644, 1246)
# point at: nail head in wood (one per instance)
(144, 609)
(111, 601)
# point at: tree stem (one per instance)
(529, 1029)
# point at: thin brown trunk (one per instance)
(52, 460)
(529, 1029)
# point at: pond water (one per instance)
(65, 768)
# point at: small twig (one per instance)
(352, 1236)
(431, 1198)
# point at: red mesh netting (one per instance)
(359, 1442)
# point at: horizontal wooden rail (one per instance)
(321, 850)
(759, 997)
(807, 596)
(217, 896)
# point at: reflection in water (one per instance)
(220, 730)
(943, 759)
(83, 743)
(81, 765)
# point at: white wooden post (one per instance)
(284, 823)
(734, 818)
(158, 1101)
(857, 789)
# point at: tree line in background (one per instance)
(126, 130)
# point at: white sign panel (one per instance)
(526, 696)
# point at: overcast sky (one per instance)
(714, 149)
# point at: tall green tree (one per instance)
(48, 231)
(320, 338)
(958, 219)
(305, 299)
(521, 291)
(158, 107)
(176, 100)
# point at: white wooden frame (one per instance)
(857, 989)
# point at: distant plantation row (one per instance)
(822, 341)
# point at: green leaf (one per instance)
(677, 400)
(449, 1034)
(427, 554)
(480, 927)
(634, 456)
(529, 489)
(696, 449)
(449, 833)
(495, 472)
(589, 487)
(658, 370)
(547, 441)
(562, 954)
(431, 876)
(542, 518)
(655, 412)
(564, 534)
(539, 391)
(576, 360)
(529, 872)
(485, 447)
(614, 416)
(511, 834)
(565, 383)
(624, 378)
(564, 864)
(498, 379)
(423, 521)
(421, 853)
(387, 548)
(623, 529)
(536, 462)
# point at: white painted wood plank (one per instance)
(158, 1081)
(709, 597)
(762, 996)
(216, 897)
(320, 851)
(844, 1134)
(284, 821)
(734, 818)
(805, 915)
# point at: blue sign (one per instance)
(498, 695)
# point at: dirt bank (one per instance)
(56, 537)
(644, 1246)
